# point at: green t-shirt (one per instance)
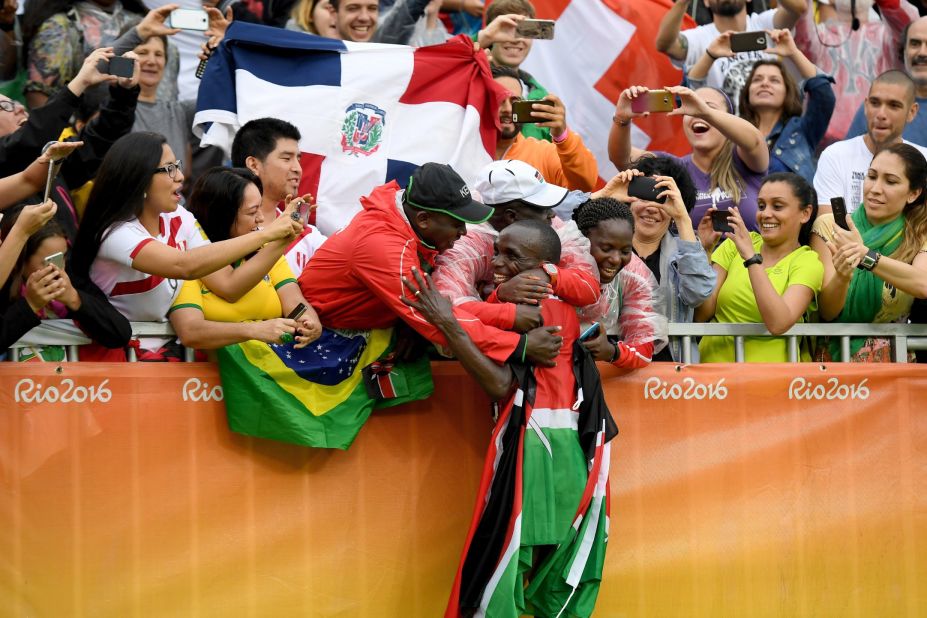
(737, 303)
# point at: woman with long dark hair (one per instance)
(771, 276)
(874, 270)
(227, 203)
(136, 240)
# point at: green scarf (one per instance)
(864, 296)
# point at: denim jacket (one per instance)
(796, 142)
(686, 281)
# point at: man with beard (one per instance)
(914, 54)
(728, 74)
(565, 161)
(842, 167)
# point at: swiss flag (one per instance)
(601, 47)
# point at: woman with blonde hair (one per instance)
(313, 17)
(729, 157)
(874, 270)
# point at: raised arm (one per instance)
(789, 12)
(620, 150)
(669, 40)
(751, 147)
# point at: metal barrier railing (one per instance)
(905, 337)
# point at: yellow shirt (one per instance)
(260, 303)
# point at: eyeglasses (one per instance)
(170, 169)
(10, 106)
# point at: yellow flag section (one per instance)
(748, 490)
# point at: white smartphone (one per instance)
(188, 19)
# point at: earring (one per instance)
(145, 195)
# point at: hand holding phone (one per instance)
(839, 208)
(522, 111)
(720, 221)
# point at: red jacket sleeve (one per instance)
(497, 314)
(633, 357)
(380, 262)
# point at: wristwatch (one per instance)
(552, 271)
(756, 259)
(869, 260)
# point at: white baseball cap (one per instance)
(504, 181)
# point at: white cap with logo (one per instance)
(505, 181)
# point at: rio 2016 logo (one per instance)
(195, 389)
(832, 389)
(688, 388)
(28, 391)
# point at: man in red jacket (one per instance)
(354, 280)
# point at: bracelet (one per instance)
(561, 138)
(615, 355)
(710, 55)
(620, 122)
(524, 350)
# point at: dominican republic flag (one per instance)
(368, 113)
(601, 47)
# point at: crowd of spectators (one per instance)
(739, 229)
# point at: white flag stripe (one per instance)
(510, 550)
(592, 36)
(557, 418)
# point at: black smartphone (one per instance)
(645, 188)
(839, 207)
(297, 312)
(590, 333)
(522, 112)
(720, 221)
(748, 41)
(118, 66)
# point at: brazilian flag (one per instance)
(319, 395)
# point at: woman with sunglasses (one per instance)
(136, 241)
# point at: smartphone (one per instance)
(590, 333)
(301, 212)
(297, 312)
(55, 258)
(748, 41)
(653, 101)
(522, 112)
(720, 221)
(188, 19)
(535, 29)
(121, 67)
(645, 188)
(839, 208)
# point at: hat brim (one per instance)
(547, 196)
(474, 212)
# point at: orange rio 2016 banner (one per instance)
(742, 491)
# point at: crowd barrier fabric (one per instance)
(737, 490)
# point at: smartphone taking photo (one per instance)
(188, 19)
(839, 208)
(55, 258)
(660, 101)
(535, 29)
(522, 112)
(748, 41)
(645, 188)
(720, 221)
